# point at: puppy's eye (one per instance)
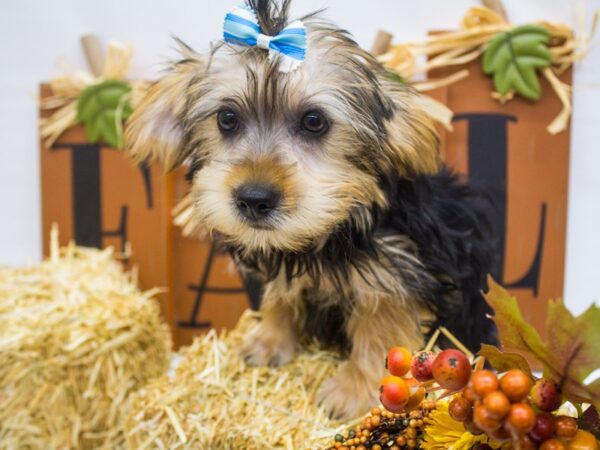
(314, 123)
(228, 121)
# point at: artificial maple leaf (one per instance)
(514, 332)
(574, 344)
(504, 361)
(572, 350)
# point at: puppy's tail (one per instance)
(474, 256)
(450, 222)
(471, 324)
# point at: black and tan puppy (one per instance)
(326, 183)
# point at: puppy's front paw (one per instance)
(267, 346)
(348, 394)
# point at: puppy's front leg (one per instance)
(274, 341)
(375, 325)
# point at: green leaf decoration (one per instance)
(513, 57)
(103, 108)
(569, 354)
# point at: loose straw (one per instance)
(478, 27)
(77, 338)
(214, 400)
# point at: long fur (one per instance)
(448, 224)
(374, 243)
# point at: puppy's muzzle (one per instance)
(256, 202)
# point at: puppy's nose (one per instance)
(256, 201)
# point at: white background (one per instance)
(36, 35)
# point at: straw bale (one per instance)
(215, 401)
(76, 339)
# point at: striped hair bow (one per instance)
(241, 28)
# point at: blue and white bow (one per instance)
(241, 28)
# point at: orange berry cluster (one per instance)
(514, 408)
(450, 369)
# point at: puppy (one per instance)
(324, 182)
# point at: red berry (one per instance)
(416, 394)
(469, 394)
(415, 399)
(421, 366)
(398, 361)
(483, 382)
(497, 404)
(521, 417)
(566, 427)
(552, 444)
(483, 420)
(472, 428)
(394, 393)
(451, 369)
(527, 443)
(583, 440)
(500, 435)
(460, 409)
(544, 427)
(516, 384)
(412, 384)
(546, 395)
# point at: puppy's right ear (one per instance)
(155, 130)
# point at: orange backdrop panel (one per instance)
(536, 169)
(100, 198)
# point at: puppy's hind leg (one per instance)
(374, 326)
(275, 340)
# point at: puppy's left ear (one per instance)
(412, 137)
(155, 130)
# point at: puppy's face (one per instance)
(278, 160)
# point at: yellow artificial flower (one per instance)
(444, 433)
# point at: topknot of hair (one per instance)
(272, 15)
